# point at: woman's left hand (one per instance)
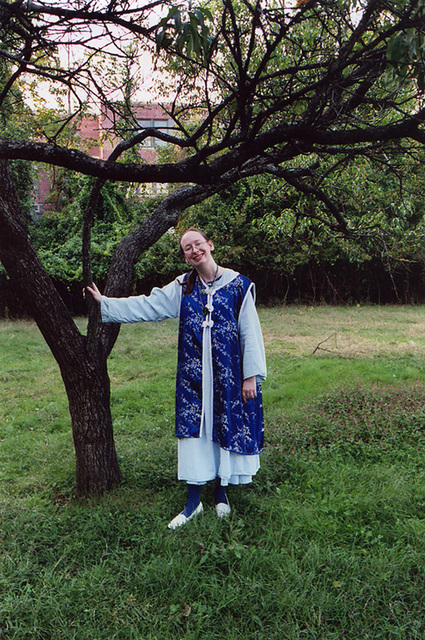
(249, 388)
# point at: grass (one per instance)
(327, 543)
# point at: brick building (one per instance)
(97, 138)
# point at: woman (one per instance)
(221, 362)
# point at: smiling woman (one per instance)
(221, 363)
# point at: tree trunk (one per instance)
(82, 365)
(88, 391)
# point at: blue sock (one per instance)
(220, 492)
(193, 498)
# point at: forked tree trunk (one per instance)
(83, 367)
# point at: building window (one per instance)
(162, 124)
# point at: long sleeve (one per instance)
(162, 303)
(251, 341)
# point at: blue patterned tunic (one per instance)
(237, 426)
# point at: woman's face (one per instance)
(196, 249)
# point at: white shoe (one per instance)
(222, 509)
(181, 519)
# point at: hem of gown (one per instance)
(235, 480)
(201, 460)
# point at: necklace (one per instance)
(210, 285)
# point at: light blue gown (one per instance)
(200, 459)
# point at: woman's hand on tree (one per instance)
(94, 292)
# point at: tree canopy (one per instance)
(262, 87)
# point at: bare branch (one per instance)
(319, 345)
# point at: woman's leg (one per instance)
(193, 499)
(192, 508)
(222, 506)
(219, 492)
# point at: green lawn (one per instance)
(328, 542)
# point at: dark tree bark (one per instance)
(88, 391)
(83, 370)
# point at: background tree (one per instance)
(293, 93)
